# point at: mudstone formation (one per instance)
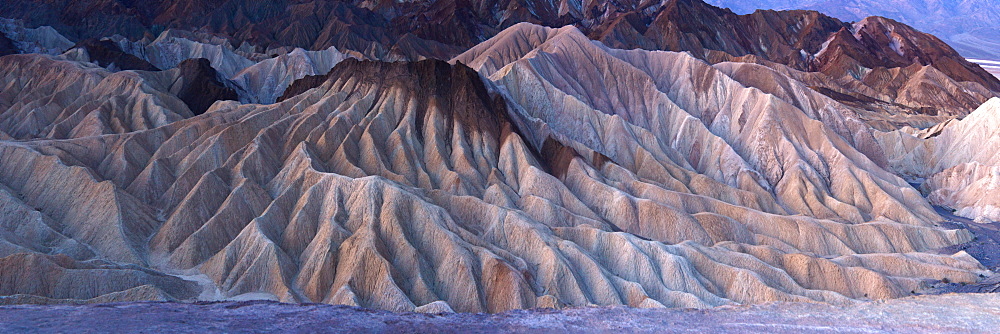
(483, 156)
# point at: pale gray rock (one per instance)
(265, 81)
(437, 307)
(44, 39)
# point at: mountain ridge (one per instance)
(969, 25)
(803, 40)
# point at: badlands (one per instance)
(565, 155)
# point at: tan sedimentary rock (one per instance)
(44, 97)
(170, 49)
(972, 139)
(956, 161)
(44, 279)
(577, 175)
(972, 189)
(760, 142)
(885, 99)
(259, 78)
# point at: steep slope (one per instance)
(173, 47)
(301, 85)
(898, 45)
(991, 66)
(915, 95)
(313, 25)
(766, 157)
(199, 85)
(256, 77)
(884, 55)
(921, 153)
(41, 279)
(801, 39)
(971, 189)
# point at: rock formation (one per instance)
(991, 66)
(957, 161)
(108, 54)
(38, 40)
(881, 56)
(440, 29)
(268, 79)
(45, 97)
(538, 168)
(256, 77)
(199, 85)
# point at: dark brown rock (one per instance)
(456, 90)
(106, 53)
(302, 85)
(7, 46)
(202, 86)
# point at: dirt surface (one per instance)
(986, 245)
(985, 248)
(952, 313)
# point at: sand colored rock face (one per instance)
(957, 161)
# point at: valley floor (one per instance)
(951, 313)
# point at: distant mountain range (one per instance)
(971, 26)
(421, 29)
(991, 66)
